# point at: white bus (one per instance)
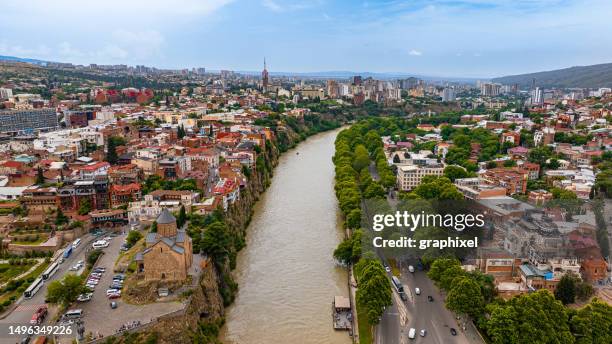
(50, 271)
(33, 288)
(397, 284)
(76, 243)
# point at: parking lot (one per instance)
(98, 316)
(26, 307)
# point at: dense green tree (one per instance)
(437, 188)
(539, 155)
(439, 266)
(111, 149)
(85, 206)
(66, 290)
(182, 217)
(593, 323)
(374, 190)
(566, 289)
(132, 238)
(349, 250)
(563, 194)
(465, 297)
(374, 289)
(216, 241)
(353, 219)
(60, 218)
(361, 159)
(449, 275)
(529, 318)
(453, 172)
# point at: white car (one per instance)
(412, 333)
(84, 297)
(417, 291)
(410, 268)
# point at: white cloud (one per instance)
(20, 51)
(272, 6)
(286, 6)
(132, 8)
(414, 52)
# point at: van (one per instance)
(73, 314)
(412, 333)
(100, 244)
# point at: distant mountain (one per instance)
(21, 59)
(348, 74)
(594, 76)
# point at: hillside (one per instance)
(594, 76)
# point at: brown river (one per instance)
(286, 273)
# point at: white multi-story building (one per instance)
(448, 94)
(410, 176)
(6, 93)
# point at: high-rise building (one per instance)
(448, 94)
(264, 77)
(26, 121)
(537, 96)
(490, 90)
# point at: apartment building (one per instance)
(410, 176)
(16, 122)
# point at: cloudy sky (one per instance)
(473, 38)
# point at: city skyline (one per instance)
(434, 38)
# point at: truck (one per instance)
(39, 315)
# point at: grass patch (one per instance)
(13, 295)
(365, 330)
(125, 258)
(35, 242)
(10, 271)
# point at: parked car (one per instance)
(113, 305)
(417, 291)
(453, 331)
(410, 268)
(85, 297)
(430, 298)
(412, 333)
(423, 332)
(114, 296)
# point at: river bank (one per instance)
(205, 315)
